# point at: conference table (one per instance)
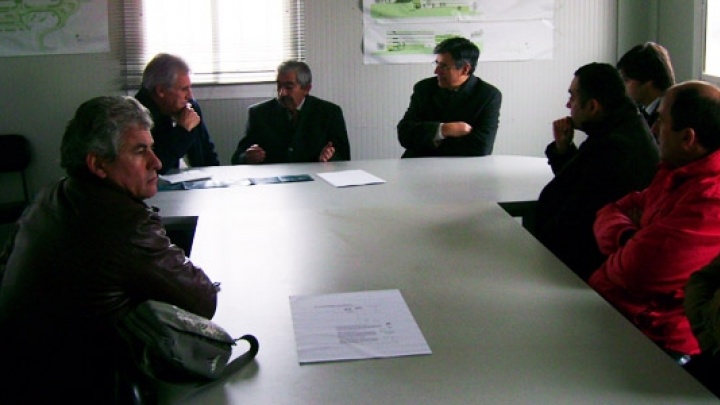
(506, 321)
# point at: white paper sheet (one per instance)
(352, 326)
(347, 178)
(188, 175)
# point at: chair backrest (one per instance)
(14, 153)
(15, 156)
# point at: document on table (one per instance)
(353, 326)
(347, 178)
(188, 175)
(291, 178)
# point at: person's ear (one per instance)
(465, 69)
(95, 165)
(691, 143)
(159, 91)
(595, 107)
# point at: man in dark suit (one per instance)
(618, 156)
(295, 126)
(647, 73)
(454, 113)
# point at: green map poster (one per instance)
(406, 31)
(43, 27)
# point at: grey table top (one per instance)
(507, 322)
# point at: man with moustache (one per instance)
(181, 137)
(295, 126)
(454, 113)
(84, 254)
(618, 156)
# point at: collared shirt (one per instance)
(298, 108)
(650, 108)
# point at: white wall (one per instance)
(637, 23)
(39, 94)
(677, 22)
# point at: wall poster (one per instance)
(43, 27)
(406, 31)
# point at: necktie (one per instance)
(294, 118)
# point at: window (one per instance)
(223, 41)
(711, 59)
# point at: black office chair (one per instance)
(14, 158)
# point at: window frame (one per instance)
(132, 62)
(703, 38)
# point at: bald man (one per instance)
(655, 239)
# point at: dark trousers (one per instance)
(706, 369)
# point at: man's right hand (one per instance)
(254, 154)
(188, 118)
(563, 132)
(455, 129)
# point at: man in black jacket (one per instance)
(648, 74)
(295, 126)
(454, 113)
(618, 156)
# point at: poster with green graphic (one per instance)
(407, 31)
(44, 27)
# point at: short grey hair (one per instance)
(163, 70)
(98, 127)
(301, 69)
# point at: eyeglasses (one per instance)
(445, 67)
(442, 66)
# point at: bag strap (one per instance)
(231, 367)
(243, 359)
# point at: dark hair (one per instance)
(162, 71)
(98, 127)
(693, 109)
(648, 62)
(602, 82)
(462, 51)
(301, 69)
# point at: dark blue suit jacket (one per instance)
(174, 142)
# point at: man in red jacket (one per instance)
(655, 239)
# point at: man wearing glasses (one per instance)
(454, 113)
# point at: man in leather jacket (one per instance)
(83, 255)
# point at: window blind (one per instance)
(223, 41)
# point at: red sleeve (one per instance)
(612, 221)
(661, 255)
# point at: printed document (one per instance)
(347, 178)
(356, 325)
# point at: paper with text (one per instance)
(352, 326)
(347, 178)
(188, 175)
